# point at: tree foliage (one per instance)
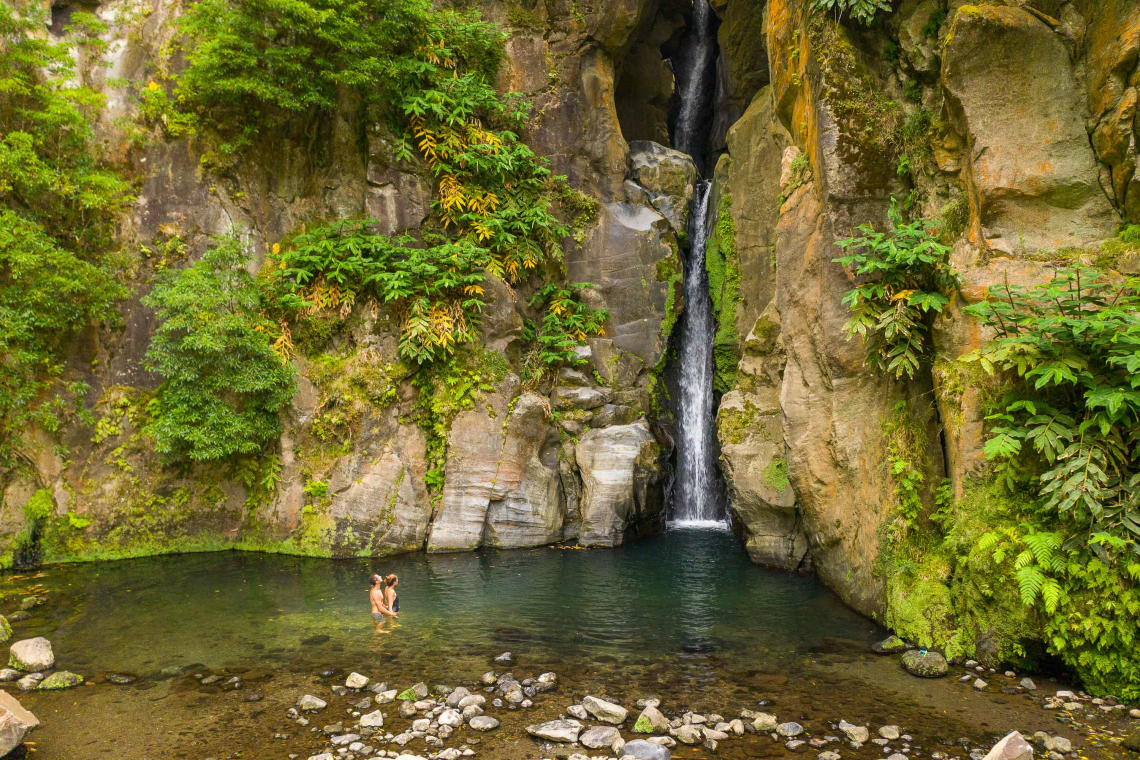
(564, 324)
(907, 275)
(224, 380)
(862, 11)
(58, 203)
(1069, 429)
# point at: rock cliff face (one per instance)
(1025, 153)
(523, 466)
(1014, 123)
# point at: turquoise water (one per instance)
(687, 595)
(685, 617)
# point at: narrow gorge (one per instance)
(816, 322)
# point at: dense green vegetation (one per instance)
(906, 278)
(58, 203)
(723, 267)
(1050, 549)
(862, 11)
(225, 380)
(564, 324)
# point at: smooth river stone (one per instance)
(484, 723)
(644, 750)
(597, 737)
(356, 681)
(556, 730)
(604, 711)
(31, 655)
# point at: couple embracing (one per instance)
(385, 601)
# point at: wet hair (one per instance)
(390, 579)
(374, 579)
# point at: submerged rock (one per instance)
(30, 681)
(789, 729)
(890, 645)
(31, 655)
(856, 734)
(61, 679)
(925, 664)
(15, 721)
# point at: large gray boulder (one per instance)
(619, 471)
(599, 737)
(31, 655)
(1012, 93)
(15, 722)
(668, 177)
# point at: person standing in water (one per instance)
(382, 595)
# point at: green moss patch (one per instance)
(724, 289)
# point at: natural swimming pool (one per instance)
(684, 617)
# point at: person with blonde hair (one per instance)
(383, 597)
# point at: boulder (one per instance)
(599, 737)
(651, 721)
(15, 722)
(309, 703)
(61, 679)
(372, 720)
(856, 734)
(925, 664)
(483, 723)
(688, 734)
(604, 711)
(644, 750)
(556, 730)
(31, 655)
(622, 254)
(620, 473)
(668, 177)
(890, 645)
(1012, 747)
(5, 629)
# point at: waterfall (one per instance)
(698, 494)
(695, 70)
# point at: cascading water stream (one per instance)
(698, 494)
(696, 78)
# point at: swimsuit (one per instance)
(377, 616)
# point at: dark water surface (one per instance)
(685, 617)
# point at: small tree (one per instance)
(908, 275)
(224, 381)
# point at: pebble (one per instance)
(889, 732)
(789, 729)
(504, 657)
(980, 685)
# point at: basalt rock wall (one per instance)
(584, 456)
(1025, 154)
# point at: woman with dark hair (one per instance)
(378, 596)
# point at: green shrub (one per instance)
(566, 322)
(225, 380)
(1069, 428)
(907, 275)
(862, 11)
(58, 203)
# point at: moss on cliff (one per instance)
(724, 289)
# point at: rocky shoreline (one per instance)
(447, 723)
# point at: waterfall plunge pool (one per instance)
(684, 617)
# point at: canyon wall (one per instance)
(1013, 123)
